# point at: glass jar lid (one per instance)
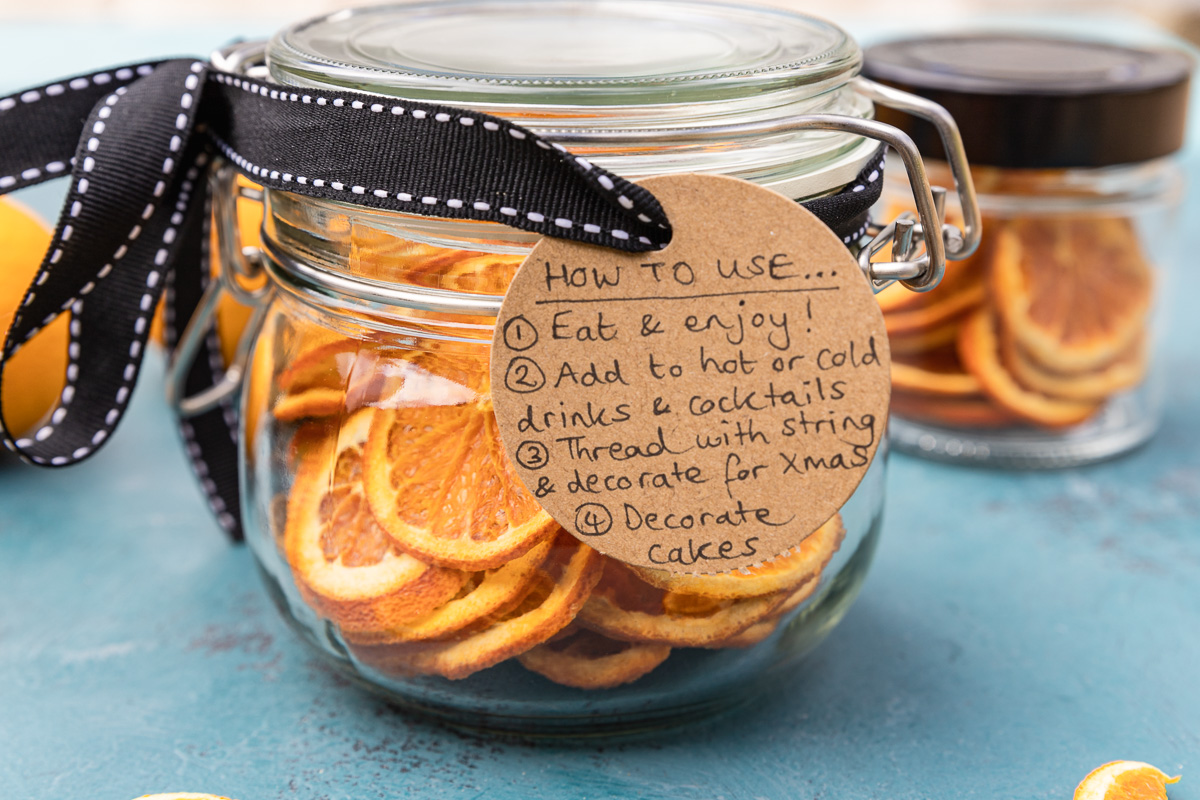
(533, 52)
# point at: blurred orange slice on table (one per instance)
(1124, 780)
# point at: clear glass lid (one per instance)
(554, 51)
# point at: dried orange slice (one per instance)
(586, 660)
(623, 606)
(979, 348)
(491, 592)
(938, 372)
(945, 307)
(1124, 780)
(440, 483)
(797, 597)
(1127, 371)
(342, 375)
(955, 412)
(346, 566)
(760, 631)
(920, 342)
(782, 572)
(1074, 292)
(896, 299)
(560, 588)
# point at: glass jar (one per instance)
(1039, 351)
(387, 521)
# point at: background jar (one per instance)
(1039, 351)
(369, 379)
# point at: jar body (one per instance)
(1039, 350)
(373, 478)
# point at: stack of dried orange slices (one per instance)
(407, 528)
(1039, 327)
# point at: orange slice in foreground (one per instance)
(783, 572)
(979, 348)
(1073, 291)
(624, 607)
(346, 566)
(586, 660)
(440, 483)
(559, 590)
(1124, 780)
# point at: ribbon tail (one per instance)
(210, 439)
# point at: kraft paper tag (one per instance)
(701, 408)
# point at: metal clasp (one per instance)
(905, 234)
(243, 276)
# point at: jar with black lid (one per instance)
(1039, 351)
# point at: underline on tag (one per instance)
(686, 296)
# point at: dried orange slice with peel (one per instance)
(979, 348)
(487, 593)
(440, 483)
(559, 590)
(954, 412)
(586, 660)
(342, 375)
(1124, 780)
(1125, 372)
(346, 567)
(782, 572)
(623, 606)
(797, 597)
(1074, 292)
(924, 318)
(760, 631)
(919, 342)
(935, 374)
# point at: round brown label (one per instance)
(700, 408)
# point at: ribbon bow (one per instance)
(137, 141)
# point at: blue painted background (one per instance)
(1016, 631)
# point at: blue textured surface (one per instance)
(1016, 631)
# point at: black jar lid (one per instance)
(1038, 102)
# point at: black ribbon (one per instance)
(137, 142)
